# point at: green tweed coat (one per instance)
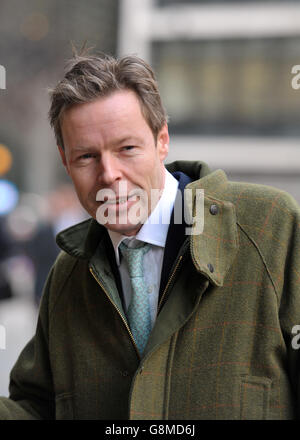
(223, 345)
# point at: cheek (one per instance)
(82, 177)
(83, 184)
(144, 173)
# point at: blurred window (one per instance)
(229, 86)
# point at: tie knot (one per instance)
(134, 258)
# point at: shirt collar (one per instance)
(154, 231)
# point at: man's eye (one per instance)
(128, 148)
(86, 156)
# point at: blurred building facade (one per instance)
(224, 69)
(36, 38)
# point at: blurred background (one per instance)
(225, 75)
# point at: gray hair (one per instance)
(89, 77)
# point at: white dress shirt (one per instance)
(154, 231)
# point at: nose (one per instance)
(109, 170)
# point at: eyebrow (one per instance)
(82, 148)
(130, 139)
(126, 139)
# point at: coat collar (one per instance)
(212, 251)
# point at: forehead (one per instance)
(119, 106)
(105, 120)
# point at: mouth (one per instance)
(116, 201)
(121, 209)
(119, 201)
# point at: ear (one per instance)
(63, 157)
(163, 142)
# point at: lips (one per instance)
(117, 201)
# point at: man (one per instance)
(215, 335)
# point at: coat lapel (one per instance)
(207, 261)
(214, 250)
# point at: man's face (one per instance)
(108, 146)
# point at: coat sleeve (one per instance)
(31, 386)
(289, 291)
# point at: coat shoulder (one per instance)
(268, 221)
(255, 201)
(61, 271)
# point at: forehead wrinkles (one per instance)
(110, 119)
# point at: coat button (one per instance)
(214, 209)
(125, 373)
(210, 267)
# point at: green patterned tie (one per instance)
(139, 309)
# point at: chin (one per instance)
(124, 229)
